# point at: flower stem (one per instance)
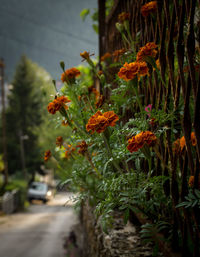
(137, 98)
(64, 113)
(92, 164)
(90, 104)
(115, 164)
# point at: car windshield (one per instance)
(38, 186)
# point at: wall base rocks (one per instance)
(121, 240)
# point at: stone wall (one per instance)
(121, 241)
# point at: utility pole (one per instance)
(2, 66)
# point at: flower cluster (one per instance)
(47, 155)
(131, 70)
(57, 103)
(70, 74)
(100, 121)
(148, 8)
(147, 50)
(137, 142)
(83, 147)
(179, 144)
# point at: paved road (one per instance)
(40, 231)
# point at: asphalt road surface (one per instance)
(40, 231)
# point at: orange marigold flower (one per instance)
(118, 53)
(111, 117)
(191, 181)
(130, 70)
(137, 142)
(57, 103)
(100, 121)
(123, 17)
(63, 99)
(148, 8)
(147, 50)
(47, 155)
(139, 139)
(97, 123)
(83, 147)
(85, 55)
(149, 138)
(143, 70)
(70, 74)
(59, 141)
(182, 143)
(193, 139)
(132, 145)
(105, 57)
(51, 108)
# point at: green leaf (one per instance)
(181, 204)
(197, 192)
(194, 203)
(84, 13)
(126, 216)
(95, 28)
(105, 166)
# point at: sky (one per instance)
(47, 32)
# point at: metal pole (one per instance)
(2, 66)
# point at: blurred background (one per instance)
(35, 36)
(46, 31)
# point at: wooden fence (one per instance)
(175, 28)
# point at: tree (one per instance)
(24, 115)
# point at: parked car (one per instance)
(39, 191)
